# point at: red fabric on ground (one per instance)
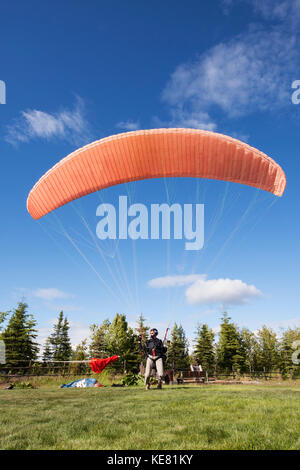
(97, 365)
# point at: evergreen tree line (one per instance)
(234, 349)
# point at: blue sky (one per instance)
(79, 71)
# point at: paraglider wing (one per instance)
(97, 365)
(153, 153)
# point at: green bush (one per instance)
(23, 385)
(131, 379)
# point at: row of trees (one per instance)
(244, 351)
(233, 349)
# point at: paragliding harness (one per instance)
(154, 356)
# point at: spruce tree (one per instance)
(47, 351)
(204, 351)
(98, 343)
(19, 337)
(60, 341)
(55, 338)
(66, 342)
(230, 350)
(178, 356)
(142, 329)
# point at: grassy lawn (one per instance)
(177, 417)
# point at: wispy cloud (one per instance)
(280, 12)
(174, 281)
(128, 125)
(207, 292)
(190, 119)
(286, 11)
(239, 136)
(249, 73)
(278, 9)
(284, 324)
(67, 124)
(50, 294)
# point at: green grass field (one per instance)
(177, 417)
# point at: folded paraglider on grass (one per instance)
(82, 383)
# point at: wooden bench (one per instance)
(194, 375)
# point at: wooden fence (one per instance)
(75, 368)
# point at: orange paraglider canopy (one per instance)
(153, 153)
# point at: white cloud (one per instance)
(50, 294)
(249, 73)
(221, 291)
(207, 292)
(172, 281)
(67, 124)
(128, 125)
